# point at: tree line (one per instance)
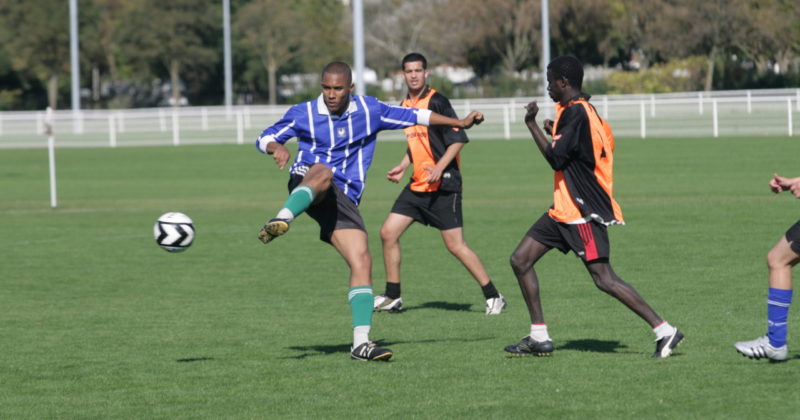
(152, 52)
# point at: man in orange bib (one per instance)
(433, 195)
(582, 156)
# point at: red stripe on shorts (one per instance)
(589, 246)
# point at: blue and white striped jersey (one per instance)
(344, 143)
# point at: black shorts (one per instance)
(793, 236)
(440, 209)
(335, 211)
(589, 241)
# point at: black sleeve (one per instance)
(565, 146)
(441, 105)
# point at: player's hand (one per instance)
(434, 174)
(548, 127)
(774, 184)
(530, 112)
(281, 155)
(396, 174)
(474, 118)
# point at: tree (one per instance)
(35, 34)
(179, 35)
(272, 31)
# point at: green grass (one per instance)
(97, 322)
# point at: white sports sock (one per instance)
(663, 329)
(539, 332)
(360, 335)
(285, 214)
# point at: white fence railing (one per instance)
(690, 114)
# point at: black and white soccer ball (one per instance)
(174, 232)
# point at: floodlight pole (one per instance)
(74, 69)
(226, 25)
(358, 45)
(545, 44)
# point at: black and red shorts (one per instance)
(793, 236)
(589, 240)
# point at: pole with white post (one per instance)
(51, 153)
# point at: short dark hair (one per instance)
(338, 67)
(412, 58)
(569, 68)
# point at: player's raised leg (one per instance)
(454, 240)
(392, 229)
(311, 189)
(780, 260)
(523, 259)
(352, 246)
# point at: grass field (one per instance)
(97, 322)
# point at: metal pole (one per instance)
(358, 45)
(545, 44)
(226, 25)
(74, 70)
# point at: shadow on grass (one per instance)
(194, 359)
(321, 350)
(595, 346)
(447, 306)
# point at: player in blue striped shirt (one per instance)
(336, 136)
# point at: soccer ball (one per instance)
(174, 232)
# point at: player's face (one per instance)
(415, 75)
(555, 87)
(336, 90)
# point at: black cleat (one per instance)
(529, 346)
(272, 229)
(666, 344)
(370, 352)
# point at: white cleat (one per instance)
(387, 304)
(760, 348)
(495, 306)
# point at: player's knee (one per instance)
(360, 262)
(388, 235)
(519, 262)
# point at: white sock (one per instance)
(663, 329)
(285, 214)
(360, 335)
(539, 332)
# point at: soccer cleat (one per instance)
(387, 304)
(529, 346)
(370, 352)
(666, 344)
(761, 348)
(272, 229)
(495, 306)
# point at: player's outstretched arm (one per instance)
(473, 118)
(279, 152)
(531, 110)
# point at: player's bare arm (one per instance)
(473, 118)
(279, 153)
(435, 172)
(531, 110)
(396, 174)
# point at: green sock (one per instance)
(360, 299)
(298, 201)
